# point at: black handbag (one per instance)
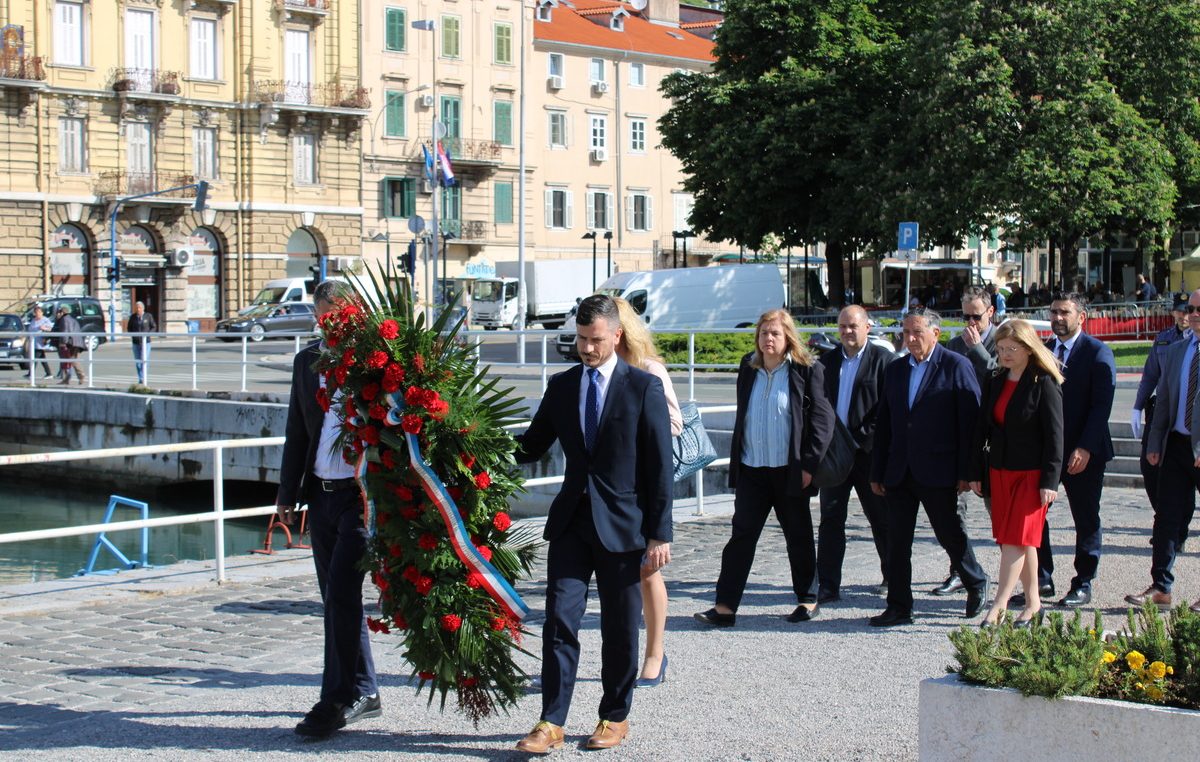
(693, 450)
(835, 467)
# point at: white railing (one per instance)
(219, 515)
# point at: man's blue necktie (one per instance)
(591, 409)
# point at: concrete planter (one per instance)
(959, 721)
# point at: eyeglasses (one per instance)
(1191, 308)
(972, 318)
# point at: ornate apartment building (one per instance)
(100, 101)
(593, 161)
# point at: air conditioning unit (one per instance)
(599, 154)
(601, 87)
(426, 186)
(556, 82)
(426, 101)
(344, 264)
(181, 257)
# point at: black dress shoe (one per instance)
(364, 707)
(1076, 597)
(715, 618)
(976, 597)
(952, 584)
(322, 720)
(828, 596)
(891, 617)
(802, 614)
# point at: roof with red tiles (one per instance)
(585, 22)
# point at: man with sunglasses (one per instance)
(977, 343)
(1174, 447)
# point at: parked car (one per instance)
(12, 348)
(85, 309)
(263, 319)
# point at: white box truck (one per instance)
(727, 296)
(552, 287)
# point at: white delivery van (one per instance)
(729, 296)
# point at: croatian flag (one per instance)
(444, 158)
(428, 163)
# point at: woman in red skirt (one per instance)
(1018, 450)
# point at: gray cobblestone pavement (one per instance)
(164, 664)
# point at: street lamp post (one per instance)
(676, 235)
(113, 269)
(430, 26)
(591, 236)
(608, 252)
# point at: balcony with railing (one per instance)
(305, 95)
(312, 10)
(140, 82)
(465, 230)
(467, 153)
(22, 71)
(118, 183)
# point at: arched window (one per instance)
(70, 261)
(204, 279)
(302, 252)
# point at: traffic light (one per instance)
(311, 284)
(408, 260)
(114, 271)
(201, 196)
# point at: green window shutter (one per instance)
(395, 28)
(395, 115)
(503, 131)
(504, 203)
(973, 242)
(408, 206)
(385, 198)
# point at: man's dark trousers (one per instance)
(1083, 495)
(831, 536)
(1178, 481)
(571, 560)
(338, 543)
(941, 506)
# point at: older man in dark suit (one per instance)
(611, 517)
(313, 471)
(1090, 381)
(1174, 446)
(854, 386)
(926, 421)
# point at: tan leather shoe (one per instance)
(1152, 594)
(608, 734)
(1195, 606)
(545, 737)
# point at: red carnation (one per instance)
(377, 625)
(430, 397)
(411, 573)
(377, 412)
(369, 391)
(426, 675)
(402, 492)
(393, 372)
(348, 357)
(483, 480)
(502, 522)
(411, 424)
(340, 374)
(424, 585)
(485, 551)
(451, 622)
(323, 399)
(409, 513)
(395, 551)
(389, 329)
(474, 579)
(467, 459)
(377, 359)
(388, 459)
(438, 409)
(369, 434)
(427, 542)
(414, 395)
(468, 682)
(498, 624)
(379, 580)
(419, 363)
(400, 622)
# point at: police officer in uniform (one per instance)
(1144, 402)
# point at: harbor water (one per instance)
(26, 505)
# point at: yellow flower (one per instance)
(1135, 660)
(1158, 670)
(1154, 693)
(1170, 670)
(1109, 657)
(1138, 686)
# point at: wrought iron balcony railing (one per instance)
(465, 230)
(22, 67)
(309, 6)
(118, 183)
(327, 94)
(129, 80)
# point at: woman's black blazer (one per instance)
(811, 429)
(1032, 435)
